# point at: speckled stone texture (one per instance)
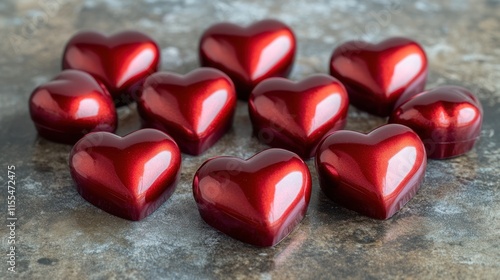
(451, 229)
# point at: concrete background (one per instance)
(451, 229)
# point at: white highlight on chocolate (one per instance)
(153, 168)
(87, 108)
(140, 62)
(288, 188)
(398, 168)
(404, 72)
(325, 109)
(271, 55)
(211, 108)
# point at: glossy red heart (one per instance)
(121, 61)
(195, 109)
(249, 55)
(70, 106)
(377, 76)
(258, 201)
(297, 115)
(374, 174)
(128, 177)
(448, 120)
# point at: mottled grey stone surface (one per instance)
(451, 229)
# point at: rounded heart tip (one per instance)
(448, 119)
(374, 174)
(128, 177)
(258, 201)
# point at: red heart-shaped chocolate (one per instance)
(121, 61)
(129, 177)
(70, 106)
(448, 120)
(258, 201)
(374, 174)
(249, 55)
(297, 115)
(377, 76)
(195, 109)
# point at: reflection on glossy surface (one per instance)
(398, 167)
(326, 108)
(249, 55)
(195, 109)
(404, 72)
(210, 108)
(374, 174)
(71, 105)
(290, 186)
(271, 55)
(448, 120)
(258, 201)
(129, 177)
(152, 170)
(121, 61)
(377, 76)
(87, 107)
(142, 59)
(297, 115)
